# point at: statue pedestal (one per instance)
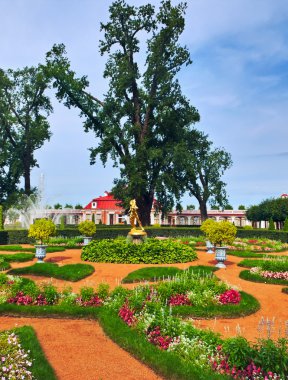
(137, 236)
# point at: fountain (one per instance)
(32, 207)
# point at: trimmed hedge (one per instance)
(263, 234)
(114, 231)
(151, 252)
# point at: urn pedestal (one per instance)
(137, 236)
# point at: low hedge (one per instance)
(263, 234)
(112, 232)
(151, 252)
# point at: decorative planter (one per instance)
(209, 246)
(220, 256)
(40, 252)
(87, 239)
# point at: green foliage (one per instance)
(1, 218)
(69, 272)
(241, 207)
(152, 251)
(150, 274)
(41, 369)
(206, 225)
(274, 265)
(247, 275)
(42, 229)
(220, 233)
(24, 108)
(271, 225)
(285, 226)
(4, 265)
(145, 115)
(103, 291)
(238, 350)
(272, 356)
(276, 208)
(87, 228)
(86, 293)
(50, 292)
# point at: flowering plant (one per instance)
(230, 296)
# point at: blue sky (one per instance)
(238, 82)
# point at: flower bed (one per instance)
(15, 361)
(258, 245)
(149, 311)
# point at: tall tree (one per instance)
(9, 173)
(24, 108)
(144, 113)
(199, 168)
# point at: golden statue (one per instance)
(134, 215)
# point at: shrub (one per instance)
(221, 232)
(42, 229)
(238, 350)
(152, 251)
(87, 228)
(206, 225)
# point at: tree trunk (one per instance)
(203, 210)
(144, 204)
(26, 174)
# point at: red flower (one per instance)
(179, 299)
(230, 296)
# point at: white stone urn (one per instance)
(87, 239)
(40, 252)
(209, 246)
(220, 256)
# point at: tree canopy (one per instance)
(24, 128)
(198, 168)
(274, 208)
(144, 115)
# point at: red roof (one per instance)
(106, 202)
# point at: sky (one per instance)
(238, 81)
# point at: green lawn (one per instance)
(69, 272)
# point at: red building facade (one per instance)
(106, 210)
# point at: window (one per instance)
(94, 204)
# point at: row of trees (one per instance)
(144, 123)
(275, 210)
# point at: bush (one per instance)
(221, 232)
(42, 229)
(87, 228)
(152, 251)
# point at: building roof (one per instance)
(106, 202)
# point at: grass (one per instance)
(41, 369)
(161, 273)
(251, 254)
(18, 248)
(248, 305)
(275, 265)
(246, 275)
(69, 272)
(150, 274)
(18, 257)
(4, 265)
